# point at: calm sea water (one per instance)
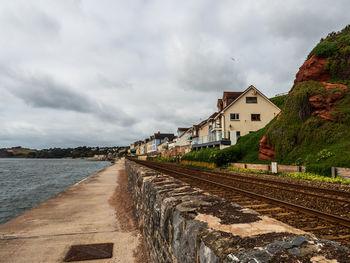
(25, 183)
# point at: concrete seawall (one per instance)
(185, 224)
(82, 214)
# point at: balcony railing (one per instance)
(200, 140)
(213, 137)
(216, 125)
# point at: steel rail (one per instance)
(309, 187)
(266, 182)
(329, 217)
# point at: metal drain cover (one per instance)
(90, 251)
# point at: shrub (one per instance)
(214, 155)
(324, 49)
(321, 169)
(323, 155)
(203, 155)
(316, 178)
(228, 155)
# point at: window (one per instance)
(251, 99)
(255, 117)
(238, 134)
(234, 116)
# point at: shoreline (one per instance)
(13, 203)
(82, 214)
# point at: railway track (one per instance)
(323, 212)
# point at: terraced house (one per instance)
(157, 139)
(239, 113)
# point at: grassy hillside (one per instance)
(279, 100)
(301, 138)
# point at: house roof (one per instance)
(159, 135)
(231, 94)
(189, 129)
(201, 123)
(137, 143)
(182, 129)
(213, 115)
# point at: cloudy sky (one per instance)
(110, 72)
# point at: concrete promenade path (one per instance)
(80, 215)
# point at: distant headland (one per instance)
(98, 153)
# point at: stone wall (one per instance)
(185, 224)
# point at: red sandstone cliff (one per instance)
(266, 152)
(312, 69)
(324, 106)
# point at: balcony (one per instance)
(217, 126)
(210, 141)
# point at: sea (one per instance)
(25, 183)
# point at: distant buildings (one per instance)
(239, 113)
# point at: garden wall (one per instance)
(341, 172)
(268, 167)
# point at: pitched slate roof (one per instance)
(213, 115)
(182, 129)
(231, 94)
(161, 136)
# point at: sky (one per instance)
(110, 72)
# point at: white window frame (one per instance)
(236, 115)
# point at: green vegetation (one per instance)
(324, 50)
(208, 155)
(78, 152)
(279, 101)
(336, 48)
(316, 178)
(245, 170)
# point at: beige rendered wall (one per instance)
(204, 130)
(182, 141)
(266, 110)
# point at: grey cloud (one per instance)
(305, 22)
(106, 82)
(30, 20)
(42, 91)
(123, 70)
(208, 71)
